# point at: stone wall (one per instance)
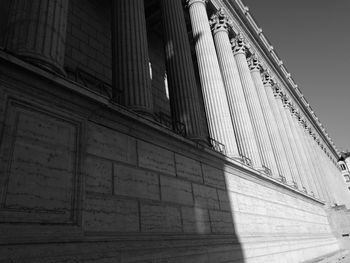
(83, 180)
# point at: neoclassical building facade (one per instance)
(158, 131)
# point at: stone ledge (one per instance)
(339, 256)
(109, 105)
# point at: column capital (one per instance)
(309, 129)
(254, 63)
(267, 78)
(289, 104)
(313, 135)
(191, 2)
(220, 21)
(238, 44)
(277, 92)
(303, 123)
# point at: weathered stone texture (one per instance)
(213, 176)
(155, 158)
(205, 196)
(221, 222)
(175, 190)
(98, 175)
(110, 144)
(158, 218)
(188, 168)
(88, 42)
(195, 220)
(130, 181)
(38, 165)
(109, 214)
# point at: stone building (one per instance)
(157, 131)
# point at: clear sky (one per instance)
(312, 37)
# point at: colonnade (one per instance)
(246, 110)
(271, 133)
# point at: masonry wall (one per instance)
(86, 181)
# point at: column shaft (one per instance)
(276, 143)
(246, 142)
(255, 112)
(292, 141)
(130, 60)
(285, 140)
(304, 144)
(322, 174)
(301, 152)
(307, 147)
(184, 96)
(218, 114)
(36, 31)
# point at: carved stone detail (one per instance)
(238, 44)
(254, 63)
(220, 21)
(266, 78)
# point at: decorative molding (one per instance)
(220, 21)
(39, 143)
(238, 44)
(254, 63)
(191, 2)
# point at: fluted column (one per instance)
(254, 108)
(291, 138)
(310, 136)
(36, 32)
(215, 100)
(300, 146)
(308, 140)
(286, 144)
(130, 59)
(246, 142)
(332, 186)
(276, 143)
(308, 155)
(184, 96)
(315, 149)
(325, 173)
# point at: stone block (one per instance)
(135, 182)
(205, 196)
(224, 200)
(98, 175)
(221, 222)
(195, 220)
(175, 190)
(156, 158)
(109, 214)
(188, 168)
(38, 165)
(158, 218)
(110, 144)
(213, 176)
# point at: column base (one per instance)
(235, 157)
(41, 62)
(264, 170)
(147, 113)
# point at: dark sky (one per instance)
(312, 37)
